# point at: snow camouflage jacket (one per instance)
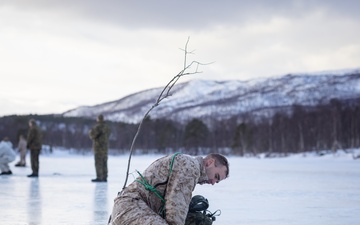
(6, 152)
(187, 171)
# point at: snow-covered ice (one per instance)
(295, 190)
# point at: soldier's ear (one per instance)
(209, 162)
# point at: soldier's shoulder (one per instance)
(186, 159)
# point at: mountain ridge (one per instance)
(209, 99)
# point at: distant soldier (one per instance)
(8, 142)
(22, 150)
(7, 155)
(100, 136)
(34, 143)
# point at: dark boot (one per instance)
(6, 173)
(98, 180)
(20, 164)
(33, 175)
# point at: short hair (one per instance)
(219, 160)
(100, 117)
(32, 121)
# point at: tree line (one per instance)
(299, 129)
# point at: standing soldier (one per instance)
(22, 150)
(34, 144)
(100, 135)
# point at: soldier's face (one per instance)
(214, 173)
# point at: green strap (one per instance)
(172, 162)
(149, 187)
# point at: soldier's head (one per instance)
(32, 122)
(217, 168)
(6, 139)
(100, 118)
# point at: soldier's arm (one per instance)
(95, 132)
(30, 138)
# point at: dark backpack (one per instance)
(198, 214)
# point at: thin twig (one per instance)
(164, 94)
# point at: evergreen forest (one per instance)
(298, 129)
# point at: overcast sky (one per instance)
(58, 55)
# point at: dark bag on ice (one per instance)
(198, 213)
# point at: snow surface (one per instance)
(294, 190)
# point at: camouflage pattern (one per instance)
(22, 149)
(7, 155)
(101, 168)
(136, 205)
(34, 143)
(34, 160)
(198, 218)
(34, 138)
(100, 136)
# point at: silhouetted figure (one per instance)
(22, 149)
(34, 144)
(100, 136)
(7, 155)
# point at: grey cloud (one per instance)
(186, 14)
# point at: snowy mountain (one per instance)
(223, 99)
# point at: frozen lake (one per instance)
(294, 190)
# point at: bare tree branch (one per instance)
(163, 95)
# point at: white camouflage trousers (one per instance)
(4, 163)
